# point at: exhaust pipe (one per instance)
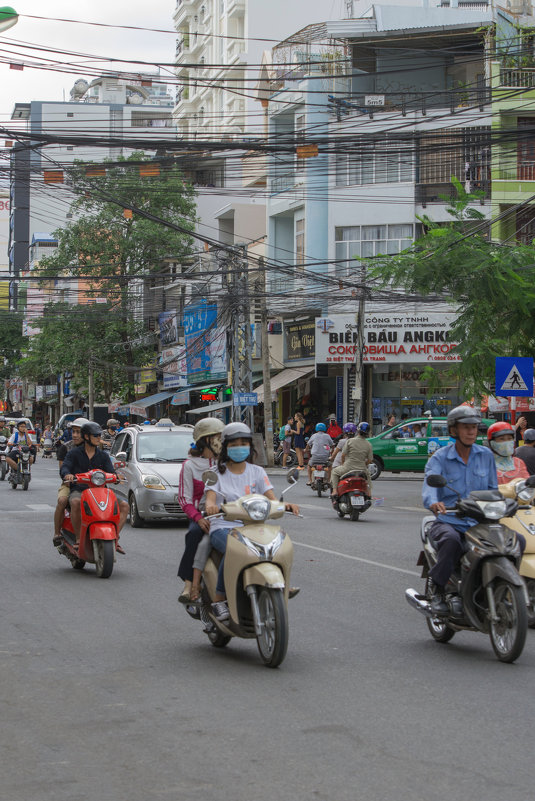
(419, 602)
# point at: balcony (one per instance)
(517, 78)
(281, 183)
(235, 51)
(441, 193)
(523, 171)
(406, 102)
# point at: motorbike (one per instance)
(258, 563)
(353, 496)
(319, 482)
(524, 523)
(22, 475)
(3, 452)
(486, 592)
(48, 448)
(99, 530)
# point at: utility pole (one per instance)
(357, 408)
(266, 374)
(91, 389)
(241, 345)
(61, 393)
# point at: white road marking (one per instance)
(40, 507)
(357, 559)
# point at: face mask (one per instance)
(239, 453)
(215, 446)
(503, 448)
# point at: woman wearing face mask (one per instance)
(205, 449)
(237, 476)
(501, 438)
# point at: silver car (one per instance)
(148, 461)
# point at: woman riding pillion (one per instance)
(501, 439)
(237, 476)
(357, 454)
(203, 456)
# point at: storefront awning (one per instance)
(139, 406)
(283, 378)
(213, 407)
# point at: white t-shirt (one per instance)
(230, 487)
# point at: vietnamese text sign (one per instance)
(514, 376)
(205, 344)
(299, 340)
(245, 399)
(387, 338)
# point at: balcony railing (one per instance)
(280, 183)
(525, 171)
(517, 78)
(375, 102)
(436, 193)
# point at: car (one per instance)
(408, 445)
(148, 461)
(12, 420)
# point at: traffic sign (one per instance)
(245, 399)
(514, 376)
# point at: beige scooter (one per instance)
(524, 523)
(258, 562)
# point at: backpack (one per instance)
(282, 433)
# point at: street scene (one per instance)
(267, 403)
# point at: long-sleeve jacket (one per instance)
(191, 485)
(77, 461)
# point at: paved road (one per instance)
(110, 692)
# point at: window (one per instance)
(388, 161)
(355, 241)
(300, 243)
(300, 125)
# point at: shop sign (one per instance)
(147, 374)
(167, 322)
(206, 344)
(50, 390)
(299, 339)
(175, 368)
(387, 338)
(39, 393)
(180, 398)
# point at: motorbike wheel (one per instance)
(218, 639)
(2, 472)
(355, 515)
(319, 493)
(340, 514)
(439, 631)
(136, 521)
(291, 459)
(78, 564)
(13, 485)
(25, 482)
(508, 635)
(530, 584)
(104, 557)
(273, 640)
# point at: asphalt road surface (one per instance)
(111, 692)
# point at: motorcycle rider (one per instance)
(19, 437)
(108, 436)
(89, 456)
(64, 490)
(357, 454)
(501, 439)
(467, 467)
(527, 451)
(237, 476)
(4, 430)
(319, 446)
(349, 431)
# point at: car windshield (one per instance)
(165, 446)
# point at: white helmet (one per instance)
(79, 422)
(235, 431)
(207, 427)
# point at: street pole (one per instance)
(91, 389)
(266, 374)
(61, 393)
(357, 393)
(242, 365)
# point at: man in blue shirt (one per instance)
(467, 467)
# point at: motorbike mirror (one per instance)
(209, 478)
(292, 476)
(121, 456)
(434, 480)
(530, 482)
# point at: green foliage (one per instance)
(491, 287)
(12, 343)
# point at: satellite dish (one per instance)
(136, 99)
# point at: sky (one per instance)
(37, 84)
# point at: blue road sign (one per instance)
(514, 376)
(245, 399)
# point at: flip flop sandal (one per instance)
(120, 549)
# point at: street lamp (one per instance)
(8, 18)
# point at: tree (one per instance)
(490, 286)
(12, 343)
(112, 254)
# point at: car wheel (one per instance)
(375, 468)
(136, 521)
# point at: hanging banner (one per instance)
(167, 322)
(206, 351)
(174, 367)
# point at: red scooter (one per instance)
(100, 522)
(353, 498)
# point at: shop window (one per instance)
(300, 243)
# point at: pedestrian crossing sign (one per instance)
(514, 376)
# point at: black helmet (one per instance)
(91, 428)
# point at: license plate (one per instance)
(319, 473)
(357, 500)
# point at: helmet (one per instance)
(80, 421)
(498, 430)
(464, 414)
(153, 421)
(529, 435)
(364, 428)
(21, 423)
(69, 423)
(350, 428)
(235, 431)
(146, 422)
(91, 428)
(112, 422)
(207, 427)
(321, 427)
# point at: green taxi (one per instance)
(408, 445)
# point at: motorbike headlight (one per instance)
(524, 493)
(257, 508)
(98, 478)
(153, 482)
(493, 510)
(265, 553)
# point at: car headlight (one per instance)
(153, 482)
(493, 510)
(98, 478)
(257, 508)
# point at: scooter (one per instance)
(319, 481)
(3, 463)
(22, 475)
(524, 523)
(258, 563)
(486, 592)
(48, 448)
(99, 530)
(353, 496)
